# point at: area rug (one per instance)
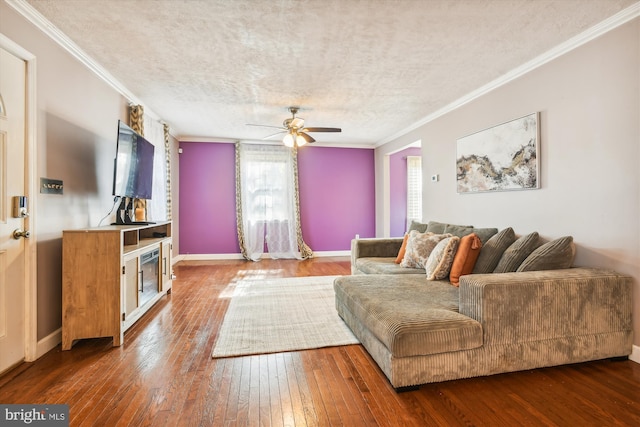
(282, 314)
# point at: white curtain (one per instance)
(157, 206)
(268, 201)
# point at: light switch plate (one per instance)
(51, 186)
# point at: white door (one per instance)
(12, 183)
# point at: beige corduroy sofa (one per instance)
(420, 331)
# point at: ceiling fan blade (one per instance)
(322, 130)
(306, 137)
(266, 126)
(275, 134)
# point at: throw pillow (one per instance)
(485, 233)
(439, 262)
(554, 255)
(403, 249)
(493, 250)
(466, 257)
(517, 252)
(419, 247)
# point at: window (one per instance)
(265, 184)
(414, 189)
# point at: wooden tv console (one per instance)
(104, 289)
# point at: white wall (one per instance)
(589, 104)
(77, 117)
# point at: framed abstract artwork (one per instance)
(502, 158)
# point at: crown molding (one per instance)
(50, 30)
(597, 30)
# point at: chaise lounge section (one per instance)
(421, 332)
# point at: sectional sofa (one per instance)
(517, 316)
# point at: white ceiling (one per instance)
(372, 67)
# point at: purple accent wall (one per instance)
(207, 198)
(337, 197)
(398, 190)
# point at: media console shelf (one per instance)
(111, 276)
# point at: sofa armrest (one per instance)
(541, 305)
(375, 247)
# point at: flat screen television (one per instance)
(133, 165)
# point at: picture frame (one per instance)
(505, 157)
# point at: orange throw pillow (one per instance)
(466, 257)
(403, 249)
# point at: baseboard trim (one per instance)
(212, 257)
(320, 254)
(635, 354)
(48, 343)
(207, 257)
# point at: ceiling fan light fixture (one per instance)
(300, 141)
(288, 140)
(296, 134)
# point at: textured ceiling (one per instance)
(371, 67)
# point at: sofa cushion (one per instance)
(554, 255)
(439, 227)
(458, 230)
(408, 314)
(419, 247)
(492, 251)
(418, 226)
(465, 258)
(439, 262)
(463, 230)
(517, 252)
(436, 227)
(383, 265)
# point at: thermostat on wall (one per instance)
(435, 178)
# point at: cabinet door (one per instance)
(165, 266)
(131, 284)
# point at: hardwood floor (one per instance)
(164, 375)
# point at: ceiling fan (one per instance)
(295, 131)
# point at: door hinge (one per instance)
(123, 269)
(123, 317)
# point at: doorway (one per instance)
(396, 215)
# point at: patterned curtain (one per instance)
(136, 122)
(136, 118)
(239, 219)
(305, 250)
(167, 153)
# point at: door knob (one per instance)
(17, 234)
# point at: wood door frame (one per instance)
(30, 171)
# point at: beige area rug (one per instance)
(282, 314)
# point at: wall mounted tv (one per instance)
(133, 166)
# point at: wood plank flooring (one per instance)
(164, 375)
